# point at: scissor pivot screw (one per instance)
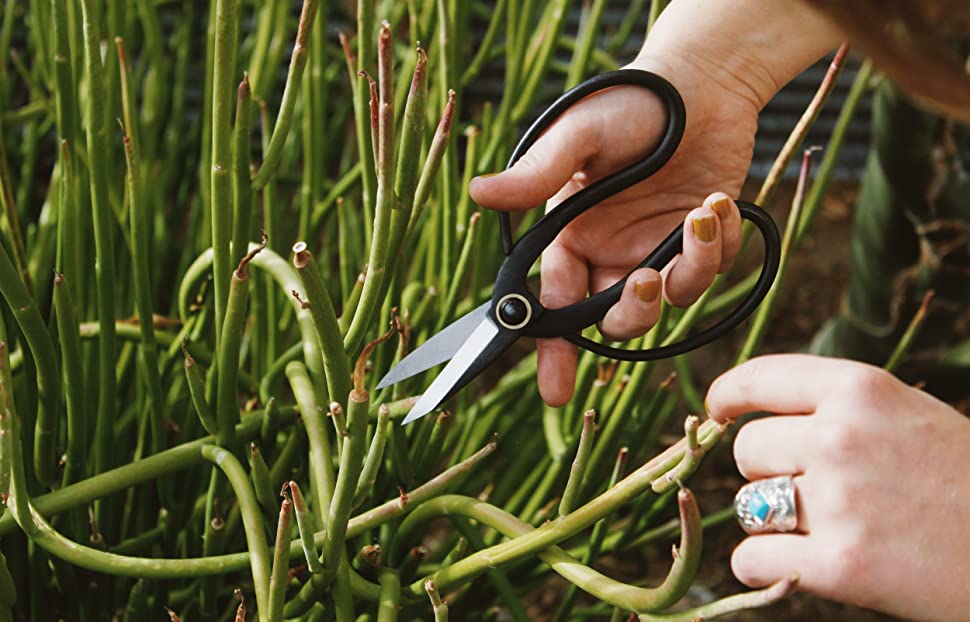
(513, 311)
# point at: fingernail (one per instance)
(705, 228)
(722, 207)
(647, 291)
(487, 175)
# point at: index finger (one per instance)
(778, 383)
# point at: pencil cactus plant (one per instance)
(197, 300)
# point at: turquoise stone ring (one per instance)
(767, 506)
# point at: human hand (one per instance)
(598, 136)
(880, 473)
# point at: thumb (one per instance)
(556, 156)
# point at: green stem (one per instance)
(759, 323)
(281, 564)
(564, 527)
(242, 192)
(486, 47)
(578, 468)
(377, 265)
(188, 455)
(197, 392)
(910, 334)
(336, 363)
(97, 154)
(679, 578)
(375, 454)
(390, 603)
(252, 521)
(321, 468)
(141, 246)
(586, 41)
(291, 91)
(304, 523)
(226, 26)
(351, 458)
(70, 341)
(439, 606)
(739, 602)
(460, 272)
(227, 395)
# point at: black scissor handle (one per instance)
(569, 321)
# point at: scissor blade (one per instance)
(455, 370)
(435, 351)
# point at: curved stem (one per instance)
(189, 455)
(566, 526)
(321, 467)
(739, 602)
(120, 478)
(686, 558)
(25, 311)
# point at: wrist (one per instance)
(715, 46)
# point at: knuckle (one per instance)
(840, 440)
(838, 498)
(868, 382)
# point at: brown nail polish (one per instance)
(722, 207)
(705, 228)
(647, 291)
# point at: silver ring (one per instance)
(767, 506)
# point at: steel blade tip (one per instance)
(416, 413)
(386, 381)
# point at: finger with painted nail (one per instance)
(695, 268)
(729, 218)
(638, 309)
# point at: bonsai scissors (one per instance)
(475, 340)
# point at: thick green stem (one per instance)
(336, 363)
